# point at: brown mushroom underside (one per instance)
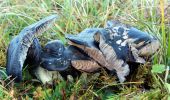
(93, 52)
(85, 65)
(150, 48)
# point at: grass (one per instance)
(151, 16)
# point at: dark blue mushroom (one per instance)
(19, 46)
(53, 58)
(112, 47)
(141, 43)
(56, 57)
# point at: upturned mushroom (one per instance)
(115, 45)
(19, 46)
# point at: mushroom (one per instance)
(19, 46)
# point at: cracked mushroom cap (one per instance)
(114, 53)
(144, 43)
(122, 43)
(19, 46)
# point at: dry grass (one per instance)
(75, 15)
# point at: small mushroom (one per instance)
(53, 58)
(57, 57)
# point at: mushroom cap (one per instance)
(19, 46)
(114, 53)
(53, 57)
(121, 44)
(121, 50)
(84, 38)
(135, 38)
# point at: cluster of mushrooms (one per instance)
(111, 47)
